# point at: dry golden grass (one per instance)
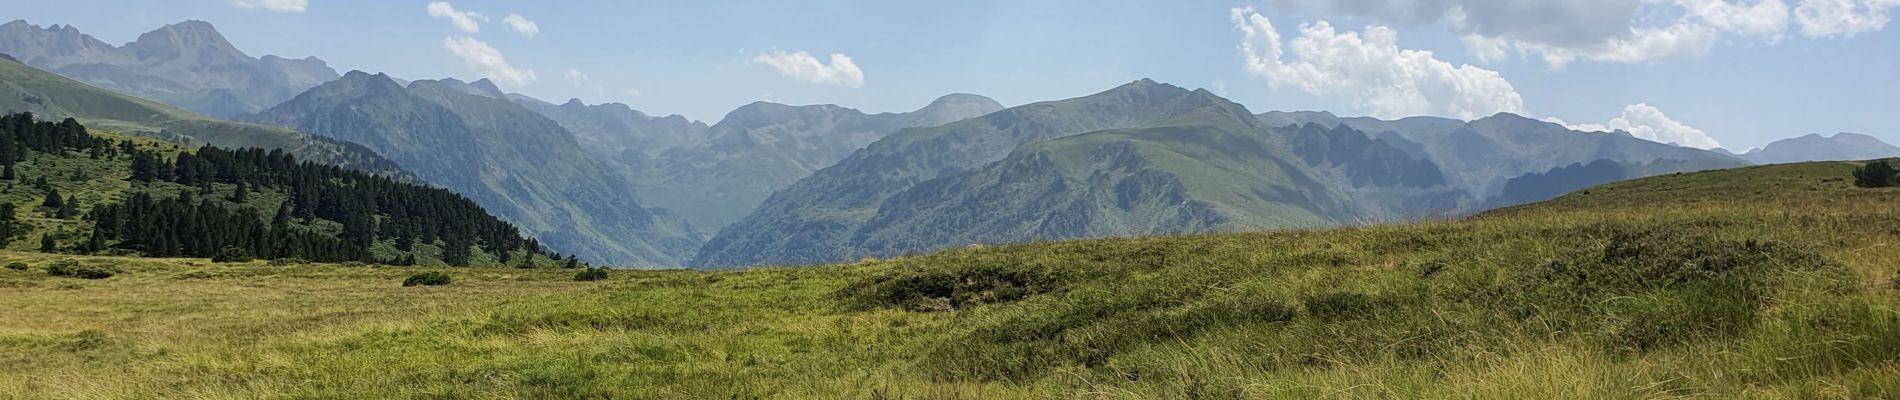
(1771, 282)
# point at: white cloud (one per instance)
(583, 81)
(488, 60)
(1642, 45)
(1763, 18)
(1623, 31)
(294, 6)
(578, 78)
(805, 67)
(521, 25)
(1372, 70)
(1842, 18)
(467, 21)
(1647, 122)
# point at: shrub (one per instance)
(431, 278)
(591, 274)
(62, 268)
(945, 289)
(1876, 174)
(73, 269)
(16, 266)
(92, 273)
(232, 254)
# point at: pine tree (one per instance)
(241, 194)
(47, 245)
(1875, 174)
(52, 199)
(572, 263)
(67, 209)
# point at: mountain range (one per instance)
(1150, 158)
(762, 147)
(514, 162)
(27, 89)
(794, 184)
(188, 65)
(1814, 147)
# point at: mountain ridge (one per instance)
(179, 64)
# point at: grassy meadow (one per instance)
(1763, 282)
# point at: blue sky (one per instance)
(1740, 73)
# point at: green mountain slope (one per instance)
(516, 163)
(124, 195)
(24, 88)
(805, 221)
(1219, 170)
(1178, 179)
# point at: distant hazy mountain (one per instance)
(53, 97)
(1814, 147)
(616, 132)
(188, 65)
(1479, 156)
(763, 147)
(817, 218)
(1150, 158)
(514, 162)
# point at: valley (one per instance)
(1661, 286)
(969, 200)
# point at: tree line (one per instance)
(371, 209)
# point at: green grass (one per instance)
(1764, 282)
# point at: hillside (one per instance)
(1192, 162)
(523, 167)
(71, 190)
(26, 89)
(188, 65)
(1814, 147)
(1773, 281)
(824, 210)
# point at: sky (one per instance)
(1703, 73)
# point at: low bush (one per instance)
(72, 268)
(62, 268)
(431, 278)
(591, 274)
(232, 254)
(951, 288)
(1877, 173)
(16, 266)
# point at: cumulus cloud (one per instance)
(804, 67)
(1763, 18)
(293, 6)
(1843, 18)
(1626, 31)
(1372, 70)
(488, 60)
(520, 24)
(1647, 122)
(467, 21)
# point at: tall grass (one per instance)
(1769, 282)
